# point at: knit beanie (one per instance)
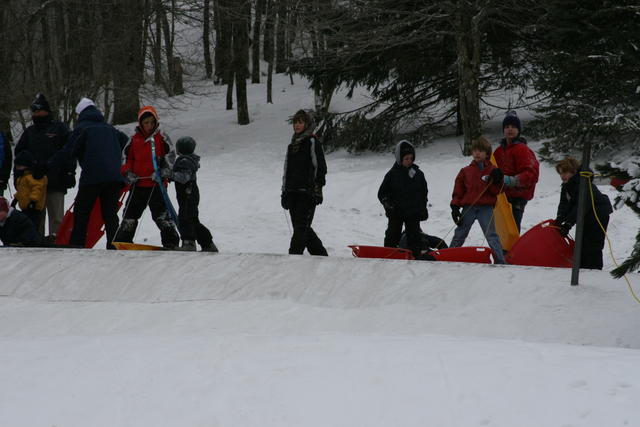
(40, 104)
(511, 118)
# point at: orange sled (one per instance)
(542, 246)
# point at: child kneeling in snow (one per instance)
(188, 195)
(403, 194)
(475, 192)
(16, 229)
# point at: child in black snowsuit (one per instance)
(593, 238)
(188, 195)
(403, 194)
(304, 176)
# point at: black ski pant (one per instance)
(593, 242)
(188, 215)
(302, 207)
(138, 200)
(108, 193)
(394, 233)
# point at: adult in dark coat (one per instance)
(567, 216)
(16, 229)
(5, 162)
(97, 146)
(403, 194)
(304, 176)
(43, 139)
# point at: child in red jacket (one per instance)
(138, 169)
(475, 191)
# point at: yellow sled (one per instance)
(126, 246)
(505, 223)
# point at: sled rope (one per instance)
(588, 175)
(464, 213)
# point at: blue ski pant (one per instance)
(484, 216)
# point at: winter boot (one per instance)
(210, 248)
(188, 245)
(126, 231)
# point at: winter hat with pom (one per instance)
(511, 118)
(40, 104)
(84, 104)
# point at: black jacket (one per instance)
(304, 166)
(43, 140)
(18, 230)
(97, 146)
(569, 195)
(184, 175)
(5, 159)
(403, 193)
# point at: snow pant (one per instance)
(484, 216)
(517, 208)
(394, 232)
(593, 242)
(54, 210)
(108, 193)
(302, 207)
(190, 226)
(138, 200)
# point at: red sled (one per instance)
(542, 246)
(95, 227)
(380, 252)
(477, 254)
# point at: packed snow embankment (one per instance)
(280, 294)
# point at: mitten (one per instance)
(284, 201)
(496, 176)
(317, 194)
(455, 214)
(130, 176)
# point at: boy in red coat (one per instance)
(475, 191)
(139, 171)
(518, 164)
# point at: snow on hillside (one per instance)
(254, 337)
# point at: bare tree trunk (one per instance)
(255, 57)
(468, 50)
(157, 47)
(281, 36)
(241, 59)
(229, 77)
(206, 45)
(223, 54)
(268, 36)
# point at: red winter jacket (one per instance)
(516, 159)
(469, 185)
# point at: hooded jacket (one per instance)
(305, 167)
(569, 196)
(518, 160)
(469, 188)
(403, 191)
(138, 153)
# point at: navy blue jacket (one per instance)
(18, 230)
(98, 148)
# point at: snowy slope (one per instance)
(254, 337)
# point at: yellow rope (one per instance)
(588, 175)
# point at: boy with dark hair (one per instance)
(475, 192)
(567, 216)
(188, 195)
(304, 176)
(403, 194)
(31, 188)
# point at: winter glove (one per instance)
(130, 177)
(284, 201)
(564, 228)
(39, 170)
(317, 195)
(165, 173)
(496, 176)
(511, 181)
(388, 207)
(455, 214)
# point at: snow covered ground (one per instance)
(254, 337)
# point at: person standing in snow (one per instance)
(403, 194)
(16, 229)
(138, 170)
(519, 165)
(98, 148)
(567, 215)
(6, 159)
(304, 176)
(188, 195)
(43, 139)
(475, 191)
